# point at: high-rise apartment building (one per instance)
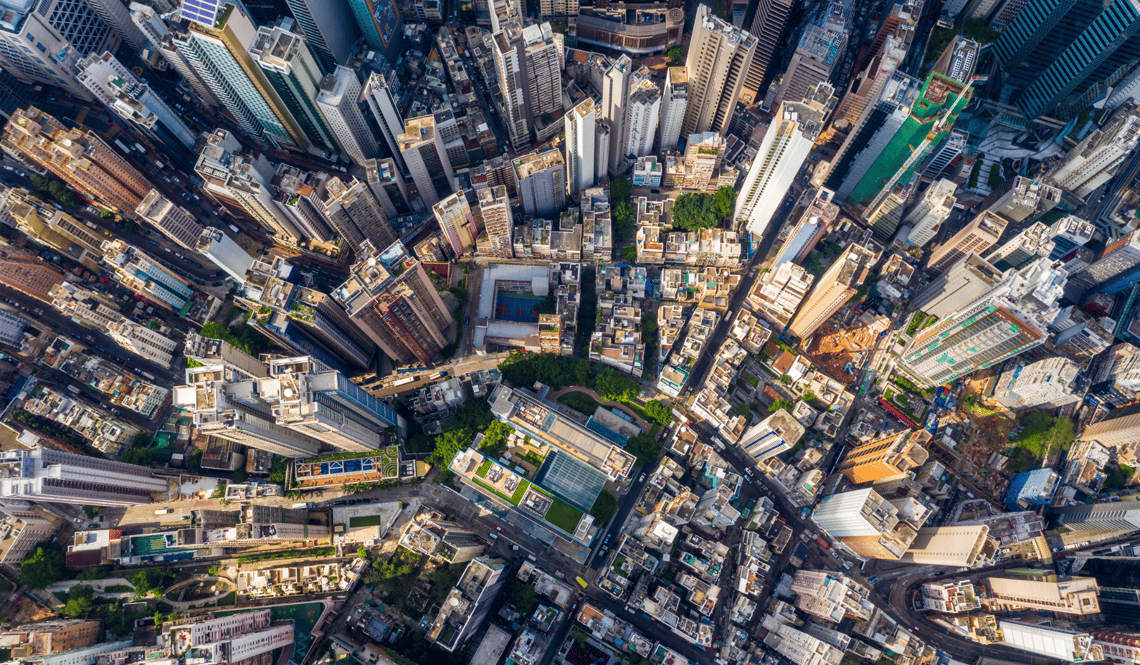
(1058, 57)
(541, 178)
(422, 149)
(1076, 595)
(457, 221)
(674, 105)
(977, 237)
(330, 30)
(35, 642)
(117, 87)
(177, 59)
(932, 209)
(51, 476)
(468, 604)
(865, 523)
(957, 546)
(718, 60)
(303, 320)
(903, 147)
(964, 281)
(643, 112)
(497, 223)
(785, 148)
(355, 213)
(378, 96)
(1022, 248)
(225, 253)
(1121, 429)
(220, 352)
(820, 49)
(80, 159)
(56, 229)
(768, 26)
(615, 100)
(867, 88)
(390, 297)
(381, 26)
(340, 92)
(835, 288)
(297, 194)
(146, 276)
(1097, 158)
(885, 459)
(702, 159)
(226, 404)
(779, 292)
(431, 534)
(1115, 269)
(293, 72)
(1046, 383)
(66, 30)
(1021, 199)
(28, 273)
(813, 223)
(217, 47)
(1120, 516)
(1004, 321)
(310, 397)
(24, 525)
(771, 436)
(581, 137)
(527, 60)
(174, 221)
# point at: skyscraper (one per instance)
(1097, 158)
(815, 220)
(495, 213)
(865, 523)
(717, 62)
(340, 92)
(1060, 55)
(143, 274)
(965, 280)
(820, 49)
(28, 274)
(52, 476)
(867, 88)
(786, 145)
(527, 60)
(615, 100)
(225, 253)
(982, 233)
(381, 26)
(294, 74)
(778, 293)
(330, 30)
(674, 102)
(1115, 269)
(218, 52)
(1022, 248)
(423, 153)
(581, 163)
(1046, 383)
(80, 159)
(457, 221)
(768, 26)
(541, 178)
(1121, 428)
(932, 209)
(226, 404)
(380, 101)
(835, 288)
(643, 111)
(390, 297)
(885, 459)
(310, 397)
(468, 604)
(118, 88)
(1005, 321)
(928, 121)
(356, 214)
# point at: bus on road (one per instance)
(583, 583)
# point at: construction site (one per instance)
(841, 352)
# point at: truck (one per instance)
(298, 506)
(404, 381)
(159, 164)
(73, 389)
(164, 511)
(147, 375)
(234, 229)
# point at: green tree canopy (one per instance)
(140, 456)
(42, 568)
(692, 212)
(80, 600)
(610, 385)
(520, 596)
(629, 253)
(494, 442)
(725, 201)
(676, 56)
(659, 411)
(621, 220)
(447, 444)
(604, 508)
(781, 403)
(619, 189)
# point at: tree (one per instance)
(740, 409)
(79, 601)
(276, 472)
(604, 508)
(238, 476)
(659, 412)
(140, 456)
(42, 568)
(107, 215)
(141, 439)
(784, 379)
(629, 253)
(725, 201)
(147, 580)
(676, 56)
(521, 596)
(621, 220)
(645, 447)
(615, 387)
(781, 403)
(692, 212)
(361, 553)
(620, 189)
(91, 511)
(494, 442)
(447, 444)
